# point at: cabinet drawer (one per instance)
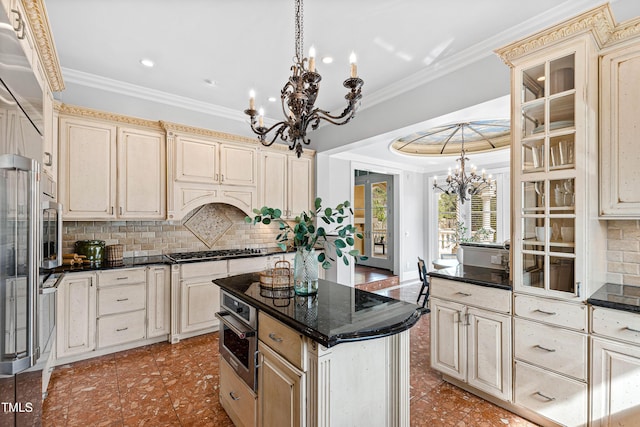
(199, 269)
(616, 324)
(556, 397)
(468, 294)
(121, 277)
(236, 397)
(282, 339)
(121, 328)
(120, 299)
(553, 348)
(554, 312)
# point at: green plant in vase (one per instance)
(305, 234)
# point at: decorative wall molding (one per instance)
(39, 25)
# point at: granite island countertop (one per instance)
(335, 315)
(475, 275)
(618, 297)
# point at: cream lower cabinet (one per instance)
(108, 171)
(615, 368)
(471, 343)
(287, 182)
(237, 399)
(158, 301)
(76, 314)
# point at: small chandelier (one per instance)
(299, 96)
(463, 185)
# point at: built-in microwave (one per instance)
(51, 234)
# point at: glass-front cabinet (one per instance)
(554, 136)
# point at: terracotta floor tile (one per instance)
(177, 385)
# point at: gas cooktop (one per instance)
(213, 255)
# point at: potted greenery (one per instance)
(305, 236)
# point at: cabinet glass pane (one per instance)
(533, 270)
(561, 112)
(533, 83)
(561, 74)
(561, 152)
(561, 274)
(533, 118)
(533, 156)
(533, 233)
(562, 197)
(533, 197)
(562, 235)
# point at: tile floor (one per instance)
(177, 385)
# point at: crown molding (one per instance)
(39, 26)
(73, 110)
(153, 95)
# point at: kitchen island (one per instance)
(340, 357)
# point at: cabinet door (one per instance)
(274, 181)
(281, 393)
(238, 165)
(141, 174)
(620, 132)
(158, 301)
(196, 160)
(76, 314)
(615, 377)
(489, 352)
(87, 169)
(300, 189)
(200, 300)
(448, 345)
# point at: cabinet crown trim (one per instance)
(598, 21)
(72, 110)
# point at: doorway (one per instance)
(373, 217)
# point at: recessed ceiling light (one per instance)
(210, 82)
(147, 62)
(271, 99)
(327, 59)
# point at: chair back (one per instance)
(422, 270)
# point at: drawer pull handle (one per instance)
(464, 294)
(550, 350)
(233, 396)
(121, 329)
(550, 313)
(122, 299)
(549, 399)
(631, 329)
(275, 337)
(122, 278)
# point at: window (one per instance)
(484, 216)
(448, 217)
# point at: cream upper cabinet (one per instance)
(238, 165)
(287, 182)
(196, 160)
(87, 178)
(620, 132)
(109, 171)
(141, 174)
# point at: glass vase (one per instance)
(305, 272)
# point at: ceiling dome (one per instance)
(478, 136)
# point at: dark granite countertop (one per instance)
(618, 297)
(475, 275)
(335, 315)
(105, 265)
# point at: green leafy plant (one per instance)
(303, 232)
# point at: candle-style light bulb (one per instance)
(252, 99)
(354, 66)
(435, 180)
(261, 117)
(484, 174)
(312, 59)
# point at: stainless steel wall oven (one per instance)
(238, 341)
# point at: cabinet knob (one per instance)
(233, 395)
(274, 337)
(49, 161)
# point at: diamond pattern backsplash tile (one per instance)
(208, 224)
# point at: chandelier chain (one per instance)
(299, 13)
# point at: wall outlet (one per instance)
(496, 259)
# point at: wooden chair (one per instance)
(424, 289)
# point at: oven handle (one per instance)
(238, 328)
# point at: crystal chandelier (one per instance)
(459, 183)
(299, 95)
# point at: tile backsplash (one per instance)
(623, 252)
(147, 238)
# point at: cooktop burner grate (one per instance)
(213, 255)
